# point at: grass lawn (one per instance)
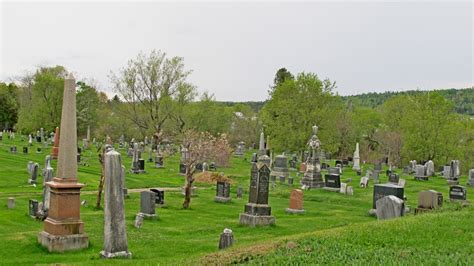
(332, 220)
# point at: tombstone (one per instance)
(470, 181)
(375, 176)
(115, 234)
(257, 211)
(222, 192)
(11, 203)
(147, 204)
(25, 150)
(350, 190)
(382, 190)
(226, 239)
(159, 163)
(401, 182)
(429, 200)
(429, 168)
(420, 172)
(264, 159)
(47, 177)
(63, 229)
(296, 202)
(261, 147)
(141, 165)
(33, 208)
(139, 220)
(406, 170)
(343, 188)
(290, 181)
(454, 173)
(240, 149)
(34, 174)
(13, 149)
(130, 152)
(212, 167)
(198, 167)
(364, 182)
(389, 207)
(457, 193)
(138, 164)
(240, 192)
(205, 167)
(293, 162)
(150, 155)
(302, 167)
(280, 167)
(182, 168)
(332, 181)
(446, 171)
(345, 162)
(393, 178)
(412, 166)
(254, 158)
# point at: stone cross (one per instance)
(115, 234)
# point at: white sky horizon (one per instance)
(235, 48)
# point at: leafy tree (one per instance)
(281, 76)
(8, 105)
(87, 104)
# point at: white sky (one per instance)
(235, 48)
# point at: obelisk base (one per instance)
(121, 254)
(61, 243)
(54, 152)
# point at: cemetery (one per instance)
(148, 168)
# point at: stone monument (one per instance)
(312, 177)
(280, 167)
(356, 159)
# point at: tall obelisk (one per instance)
(63, 229)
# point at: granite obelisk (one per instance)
(63, 229)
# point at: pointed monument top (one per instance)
(70, 76)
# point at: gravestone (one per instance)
(141, 165)
(139, 220)
(446, 171)
(47, 177)
(240, 149)
(115, 234)
(401, 182)
(296, 202)
(470, 181)
(382, 190)
(254, 158)
(457, 193)
(429, 200)
(226, 239)
(350, 190)
(264, 159)
(150, 155)
(212, 167)
(33, 208)
(420, 172)
(159, 197)
(338, 162)
(159, 163)
(11, 203)
(261, 145)
(375, 176)
(13, 149)
(240, 192)
(290, 181)
(29, 166)
(280, 167)
(429, 168)
(25, 150)
(332, 180)
(312, 177)
(34, 174)
(222, 192)
(454, 173)
(378, 166)
(147, 204)
(393, 178)
(343, 188)
(389, 207)
(182, 168)
(205, 167)
(364, 182)
(302, 167)
(257, 211)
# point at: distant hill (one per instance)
(463, 98)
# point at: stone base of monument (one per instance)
(332, 189)
(452, 182)
(121, 254)
(31, 181)
(148, 216)
(312, 180)
(222, 199)
(422, 210)
(294, 211)
(422, 178)
(137, 171)
(256, 220)
(279, 173)
(61, 243)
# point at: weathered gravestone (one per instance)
(333, 180)
(454, 173)
(147, 204)
(240, 149)
(115, 234)
(226, 239)
(356, 159)
(389, 207)
(457, 193)
(47, 177)
(296, 202)
(257, 211)
(364, 182)
(33, 208)
(350, 190)
(159, 163)
(254, 158)
(393, 178)
(280, 167)
(402, 182)
(446, 171)
(343, 188)
(429, 200)
(382, 190)
(429, 168)
(240, 192)
(11, 203)
(470, 181)
(290, 181)
(420, 172)
(34, 174)
(222, 192)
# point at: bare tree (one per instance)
(149, 85)
(201, 147)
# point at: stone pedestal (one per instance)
(256, 220)
(63, 229)
(312, 179)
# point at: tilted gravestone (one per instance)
(389, 207)
(222, 192)
(257, 211)
(296, 202)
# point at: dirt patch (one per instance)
(212, 178)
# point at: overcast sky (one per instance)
(235, 48)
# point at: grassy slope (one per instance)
(179, 236)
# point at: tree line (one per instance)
(154, 98)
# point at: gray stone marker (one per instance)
(430, 168)
(457, 193)
(226, 239)
(454, 173)
(389, 207)
(446, 171)
(240, 192)
(222, 192)
(115, 234)
(47, 177)
(356, 159)
(34, 174)
(280, 167)
(364, 182)
(11, 203)
(429, 200)
(420, 172)
(257, 211)
(382, 190)
(147, 204)
(33, 208)
(470, 181)
(393, 178)
(240, 149)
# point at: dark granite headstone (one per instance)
(141, 164)
(25, 150)
(457, 193)
(332, 181)
(33, 208)
(338, 162)
(159, 196)
(182, 168)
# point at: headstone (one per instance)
(382, 190)
(457, 193)
(226, 239)
(205, 167)
(378, 166)
(364, 182)
(290, 181)
(25, 150)
(343, 188)
(254, 158)
(33, 208)
(239, 192)
(159, 163)
(261, 146)
(420, 172)
(296, 202)
(470, 181)
(455, 173)
(257, 211)
(332, 182)
(159, 197)
(150, 155)
(446, 171)
(280, 167)
(139, 220)
(115, 234)
(375, 176)
(147, 204)
(240, 149)
(389, 207)
(350, 190)
(222, 192)
(429, 168)
(13, 149)
(429, 200)
(302, 167)
(401, 182)
(63, 229)
(264, 159)
(34, 174)
(47, 177)
(212, 167)
(11, 203)
(393, 178)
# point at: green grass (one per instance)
(185, 236)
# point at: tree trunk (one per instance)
(101, 183)
(188, 190)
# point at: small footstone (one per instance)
(139, 220)
(227, 239)
(11, 203)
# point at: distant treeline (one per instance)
(463, 99)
